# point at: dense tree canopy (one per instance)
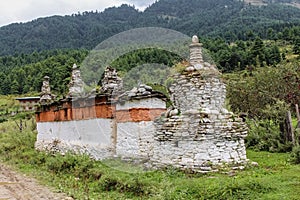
(236, 35)
(264, 92)
(229, 19)
(24, 73)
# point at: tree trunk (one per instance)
(289, 128)
(298, 116)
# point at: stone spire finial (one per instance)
(76, 84)
(74, 66)
(195, 52)
(46, 95)
(195, 39)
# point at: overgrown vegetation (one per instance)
(295, 156)
(265, 95)
(83, 178)
(264, 135)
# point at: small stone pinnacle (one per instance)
(195, 39)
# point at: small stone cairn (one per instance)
(111, 83)
(141, 90)
(45, 95)
(76, 84)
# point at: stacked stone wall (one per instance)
(203, 133)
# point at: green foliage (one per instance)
(2, 119)
(296, 48)
(145, 56)
(241, 55)
(234, 189)
(235, 39)
(228, 19)
(178, 68)
(9, 106)
(149, 66)
(16, 145)
(22, 116)
(264, 93)
(264, 135)
(295, 155)
(24, 73)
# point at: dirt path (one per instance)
(14, 186)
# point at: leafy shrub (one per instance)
(108, 184)
(295, 155)
(95, 173)
(131, 185)
(23, 115)
(264, 93)
(79, 165)
(2, 119)
(264, 135)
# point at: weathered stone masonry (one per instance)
(204, 133)
(196, 133)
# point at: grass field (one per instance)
(83, 178)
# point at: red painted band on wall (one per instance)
(69, 114)
(99, 111)
(138, 114)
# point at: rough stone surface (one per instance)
(142, 103)
(111, 83)
(45, 95)
(198, 131)
(195, 51)
(135, 139)
(142, 90)
(76, 84)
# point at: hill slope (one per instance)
(230, 19)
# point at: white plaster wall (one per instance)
(142, 103)
(135, 139)
(87, 131)
(93, 136)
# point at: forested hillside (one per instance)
(24, 73)
(236, 34)
(229, 19)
